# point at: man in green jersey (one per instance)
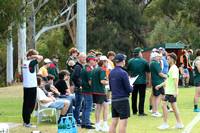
(86, 92)
(138, 66)
(171, 91)
(196, 66)
(157, 78)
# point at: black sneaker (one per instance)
(82, 126)
(134, 113)
(143, 114)
(89, 127)
(92, 123)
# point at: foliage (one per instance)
(51, 43)
(10, 11)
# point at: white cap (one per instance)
(47, 60)
(154, 50)
(191, 51)
(103, 58)
(155, 54)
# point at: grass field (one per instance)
(11, 110)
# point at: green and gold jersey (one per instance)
(196, 72)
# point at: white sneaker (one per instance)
(98, 128)
(163, 126)
(154, 114)
(150, 111)
(29, 125)
(170, 110)
(178, 126)
(158, 114)
(105, 128)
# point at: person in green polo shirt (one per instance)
(196, 66)
(99, 92)
(171, 91)
(138, 66)
(86, 92)
(157, 77)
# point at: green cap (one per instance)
(137, 50)
(90, 57)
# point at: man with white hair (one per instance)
(157, 78)
(76, 78)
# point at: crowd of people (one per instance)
(96, 79)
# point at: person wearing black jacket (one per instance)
(76, 78)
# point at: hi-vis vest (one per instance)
(29, 79)
(43, 71)
(108, 71)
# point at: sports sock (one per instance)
(195, 106)
(168, 107)
(150, 107)
(105, 123)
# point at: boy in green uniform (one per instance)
(73, 52)
(138, 66)
(157, 78)
(99, 92)
(196, 66)
(86, 92)
(53, 69)
(171, 92)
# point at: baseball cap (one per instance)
(191, 51)
(103, 58)
(47, 60)
(161, 48)
(154, 50)
(45, 79)
(90, 57)
(119, 57)
(55, 57)
(155, 54)
(137, 50)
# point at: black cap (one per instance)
(45, 79)
(119, 58)
(55, 57)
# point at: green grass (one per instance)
(11, 110)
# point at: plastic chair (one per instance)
(4, 128)
(40, 111)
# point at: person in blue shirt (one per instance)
(121, 89)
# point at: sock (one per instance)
(168, 107)
(35, 112)
(105, 123)
(97, 125)
(195, 106)
(150, 107)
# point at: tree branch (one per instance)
(45, 28)
(145, 6)
(3, 69)
(139, 36)
(40, 4)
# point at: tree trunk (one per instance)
(9, 57)
(21, 49)
(139, 36)
(31, 31)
